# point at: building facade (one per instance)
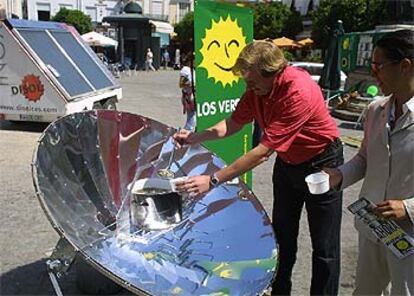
(11, 8)
(178, 9)
(96, 9)
(172, 11)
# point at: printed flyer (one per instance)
(387, 231)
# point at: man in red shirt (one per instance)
(290, 110)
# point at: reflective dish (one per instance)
(84, 168)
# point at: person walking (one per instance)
(177, 59)
(187, 79)
(149, 60)
(289, 108)
(386, 163)
(165, 58)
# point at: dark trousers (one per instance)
(324, 218)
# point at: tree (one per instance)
(76, 18)
(185, 32)
(293, 25)
(274, 19)
(356, 15)
(271, 20)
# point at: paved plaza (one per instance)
(26, 236)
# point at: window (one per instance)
(43, 15)
(43, 11)
(184, 8)
(156, 8)
(110, 11)
(91, 11)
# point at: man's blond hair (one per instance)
(261, 55)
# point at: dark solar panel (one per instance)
(83, 60)
(50, 54)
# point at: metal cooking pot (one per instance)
(155, 209)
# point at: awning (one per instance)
(306, 42)
(162, 27)
(284, 42)
(96, 39)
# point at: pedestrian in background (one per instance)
(177, 59)
(166, 58)
(186, 82)
(289, 107)
(386, 163)
(149, 60)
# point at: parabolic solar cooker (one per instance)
(97, 176)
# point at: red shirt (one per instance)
(294, 119)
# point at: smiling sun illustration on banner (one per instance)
(220, 49)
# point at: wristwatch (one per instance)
(214, 181)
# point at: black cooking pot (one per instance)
(155, 209)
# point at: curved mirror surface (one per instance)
(85, 166)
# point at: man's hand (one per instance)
(392, 209)
(222, 129)
(184, 137)
(335, 177)
(196, 185)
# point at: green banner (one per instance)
(221, 31)
(356, 50)
(349, 51)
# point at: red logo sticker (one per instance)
(32, 87)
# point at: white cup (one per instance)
(318, 183)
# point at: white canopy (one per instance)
(96, 39)
(162, 27)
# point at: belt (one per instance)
(319, 160)
(325, 156)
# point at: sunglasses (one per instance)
(376, 67)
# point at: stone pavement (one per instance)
(26, 235)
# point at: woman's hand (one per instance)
(335, 177)
(392, 209)
(184, 137)
(196, 185)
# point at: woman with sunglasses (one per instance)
(386, 162)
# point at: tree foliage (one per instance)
(293, 25)
(185, 32)
(356, 15)
(76, 18)
(288, 55)
(271, 20)
(274, 19)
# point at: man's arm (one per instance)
(353, 170)
(245, 163)
(198, 185)
(222, 129)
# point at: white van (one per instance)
(315, 70)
